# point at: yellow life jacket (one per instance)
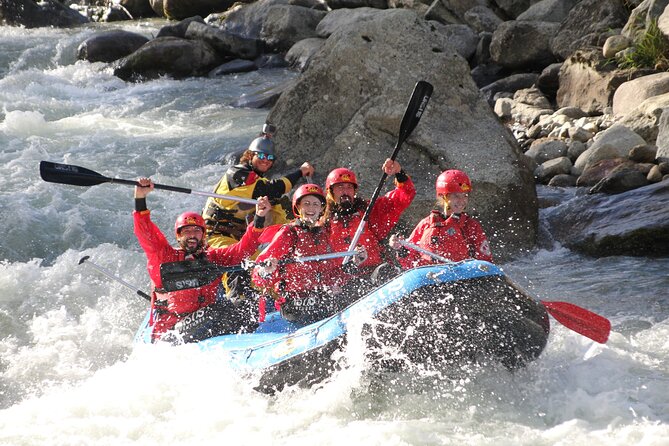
(227, 220)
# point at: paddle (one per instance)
(187, 274)
(415, 108)
(80, 176)
(111, 275)
(582, 321)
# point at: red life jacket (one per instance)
(176, 304)
(457, 238)
(382, 219)
(294, 240)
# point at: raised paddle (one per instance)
(80, 176)
(415, 108)
(186, 274)
(111, 275)
(582, 321)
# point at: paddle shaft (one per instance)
(81, 176)
(415, 108)
(111, 275)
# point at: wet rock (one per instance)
(109, 46)
(171, 56)
(630, 223)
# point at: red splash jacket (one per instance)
(158, 250)
(294, 240)
(457, 238)
(384, 216)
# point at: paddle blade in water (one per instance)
(580, 320)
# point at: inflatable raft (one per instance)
(433, 315)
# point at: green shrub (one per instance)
(651, 50)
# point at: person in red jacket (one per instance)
(345, 210)
(450, 233)
(193, 314)
(304, 291)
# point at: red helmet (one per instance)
(303, 191)
(453, 181)
(340, 175)
(188, 219)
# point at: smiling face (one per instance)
(343, 193)
(191, 239)
(455, 202)
(261, 162)
(310, 208)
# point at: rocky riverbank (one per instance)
(525, 92)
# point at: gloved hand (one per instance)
(266, 268)
(361, 255)
(394, 241)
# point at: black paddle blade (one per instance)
(419, 99)
(69, 174)
(187, 274)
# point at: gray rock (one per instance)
(662, 141)
(614, 142)
(225, 43)
(179, 58)
(441, 13)
(562, 180)
(548, 11)
(32, 14)
(621, 179)
(342, 17)
(353, 4)
(631, 93)
(286, 25)
(301, 53)
(614, 45)
(182, 9)
(543, 150)
(523, 45)
(234, 66)
(110, 45)
(549, 79)
(588, 82)
(178, 29)
(601, 169)
(585, 23)
(548, 169)
(462, 37)
(482, 19)
(631, 223)
(509, 84)
(346, 107)
(643, 154)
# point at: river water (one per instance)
(69, 374)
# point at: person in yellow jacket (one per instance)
(227, 220)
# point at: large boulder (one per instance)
(109, 46)
(181, 9)
(631, 223)
(32, 14)
(346, 107)
(523, 45)
(586, 24)
(172, 56)
(588, 81)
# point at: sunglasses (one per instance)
(262, 156)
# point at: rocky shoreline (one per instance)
(526, 93)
